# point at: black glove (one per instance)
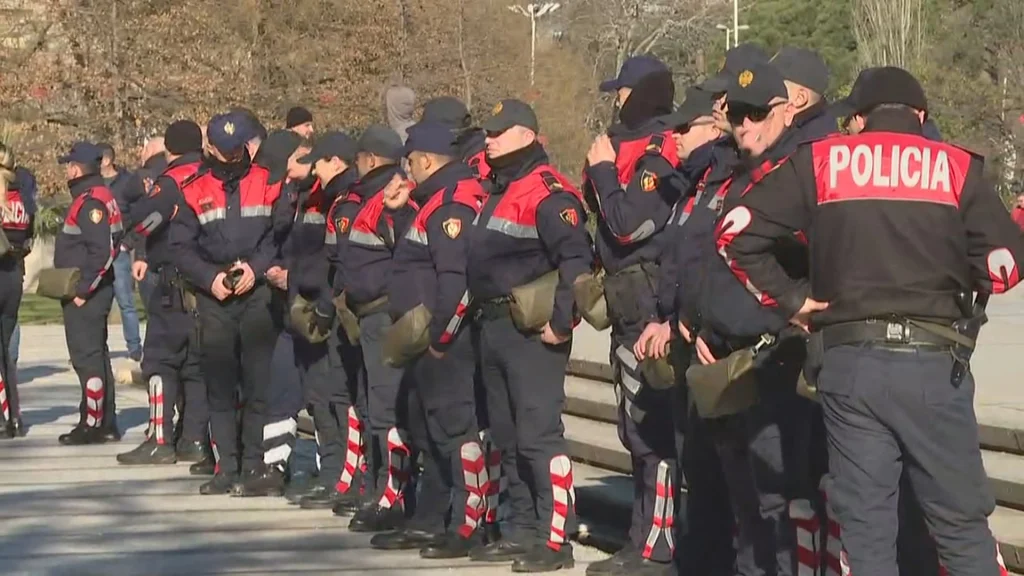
(323, 319)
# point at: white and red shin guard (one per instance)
(474, 470)
(353, 452)
(564, 500)
(399, 455)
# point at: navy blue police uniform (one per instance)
(532, 224)
(225, 219)
(429, 270)
(89, 241)
(170, 355)
(633, 198)
(888, 319)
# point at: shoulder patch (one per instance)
(95, 215)
(154, 189)
(656, 144)
(570, 216)
(551, 182)
(452, 227)
(343, 224)
(648, 181)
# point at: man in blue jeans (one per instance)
(126, 188)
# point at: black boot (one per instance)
(544, 559)
(406, 539)
(500, 551)
(348, 503)
(300, 485)
(80, 436)
(222, 483)
(373, 518)
(192, 450)
(110, 433)
(14, 429)
(148, 453)
(264, 481)
(205, 467)
(450, 546)
(627, 562)
(320, 498)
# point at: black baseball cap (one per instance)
(431, 137)
(329, 145)
(382, 141)
(737, 59)
(633, 70)
(884, 85)
(447, 110)
(509, 113)
(83, 153)
(698, 103)
(803, 67)
(756, 86)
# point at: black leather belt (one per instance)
(895, 333)
(493, 308)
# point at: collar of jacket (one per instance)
(622, 133)
(448, 175)
(341, 183)
(900, 121)
(515, 165)
(699, 161)
(375, 180)
(725, 158)
(187, 158)
(816, 122)
(79, 186)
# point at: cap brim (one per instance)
(681, 118)
(495, 124)
(63, 159)
(308, 158)
(717, 83)
(610, 85)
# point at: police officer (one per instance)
(329, 396)
(222, 241)
(632, 181)
(171, 358)
(531, 227)
(17, 220)
(470, 141)
(472, 147)
(703, 531)
(895, 398)
(89, 241)
(429, 280)
(757, 443)
(333, 161)
(364, 267)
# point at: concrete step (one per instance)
(589, 395)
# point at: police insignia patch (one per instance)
(497, 109)
(452, 227)
(746, 78)
(570, 217)
(648, 181)
(229, 128)
(343, 224)
(95, 215)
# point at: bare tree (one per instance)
(889, 32)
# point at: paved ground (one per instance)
(75, 511)
(998, 364)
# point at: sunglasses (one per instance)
(737, 113)
(682, 130)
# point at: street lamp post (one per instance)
(731, 34)
(533, 12)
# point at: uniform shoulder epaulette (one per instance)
(553, 184)
(976, 155)
(656, 145)
(193, 177)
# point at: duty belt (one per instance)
(893, 333)
(493, 308)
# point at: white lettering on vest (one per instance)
(911, 167)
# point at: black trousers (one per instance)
(12, 273)
(443, 427)
(85, 328)
(894, 412)
(347, 412)
(387, 402)
(525, 383)
(284, 397)
(170, 364)
(646, 431)
(237, 339)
